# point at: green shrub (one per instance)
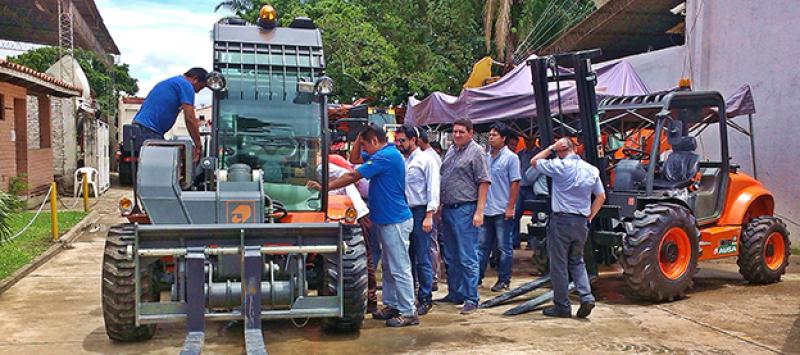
(8, 205)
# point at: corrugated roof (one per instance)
(624, 27)
(35, 81)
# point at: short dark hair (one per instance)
(463, 122)
(409, 131)
(373, 130)
(436, 145)
(198, 73)
(423, 135)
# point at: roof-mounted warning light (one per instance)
(684, 84)
(267, 19)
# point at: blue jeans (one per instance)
(398, 284)
(495, 230)
(566, 236)
(525, 193)
(421, 255)
(460, 251)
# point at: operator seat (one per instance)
(681, 165)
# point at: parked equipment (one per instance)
(667, 208)
(240, 237)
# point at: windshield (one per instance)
(266, 124)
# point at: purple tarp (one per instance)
(512, 97)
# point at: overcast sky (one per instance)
(160, 39)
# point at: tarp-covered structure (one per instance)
(511, 97)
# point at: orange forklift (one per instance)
(666, 208)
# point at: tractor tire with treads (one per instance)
(118, 290)
(764, 249)
(540, 261)
(660, 255)
(355, 282)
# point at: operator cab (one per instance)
(662, 162)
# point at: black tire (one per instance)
(355, 282)
(118, 290)
(643, 251)
(753, 250)
(540, 261)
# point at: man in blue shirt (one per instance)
(391, 222)
(500, 204)
(574, 183)
(161, 106)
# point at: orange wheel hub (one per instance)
(674, 253)
(774, 251)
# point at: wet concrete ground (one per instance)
(57, 310)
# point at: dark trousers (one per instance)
(525, 193)
(566, 236)
(142, 134)
(372, 284)
(421, 255)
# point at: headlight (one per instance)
(350, 215)
(324, 85)
(215, 81)
(125, 206)
(541, 216)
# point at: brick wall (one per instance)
(40, 169)
(8, 164)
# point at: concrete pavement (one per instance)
(57, 310)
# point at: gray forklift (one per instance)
(239, 236)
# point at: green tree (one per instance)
(106, 81)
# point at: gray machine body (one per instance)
(159, 189)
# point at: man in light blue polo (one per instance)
(574, 183)
(391, 222)
(500, 207)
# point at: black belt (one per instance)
(457, 205)
(570, 214)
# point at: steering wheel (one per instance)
(635, 153)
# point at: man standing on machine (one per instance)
(574, 183)
(161, 106)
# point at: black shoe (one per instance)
(585, 310)
(385, 313)
(435, 287)
(424, 308)
(448, 299)
(552, 312)
(500, 286)
(372, 306)
(469, 308)
(402, 321)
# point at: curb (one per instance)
(68, 237)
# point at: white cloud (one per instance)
(161, 39)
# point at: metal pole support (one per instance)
(85, 187)
(252, 269)
(195, 301)
(53, 212)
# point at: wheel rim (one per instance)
(774, 251)
(674, 253)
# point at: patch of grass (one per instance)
(34, 241)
